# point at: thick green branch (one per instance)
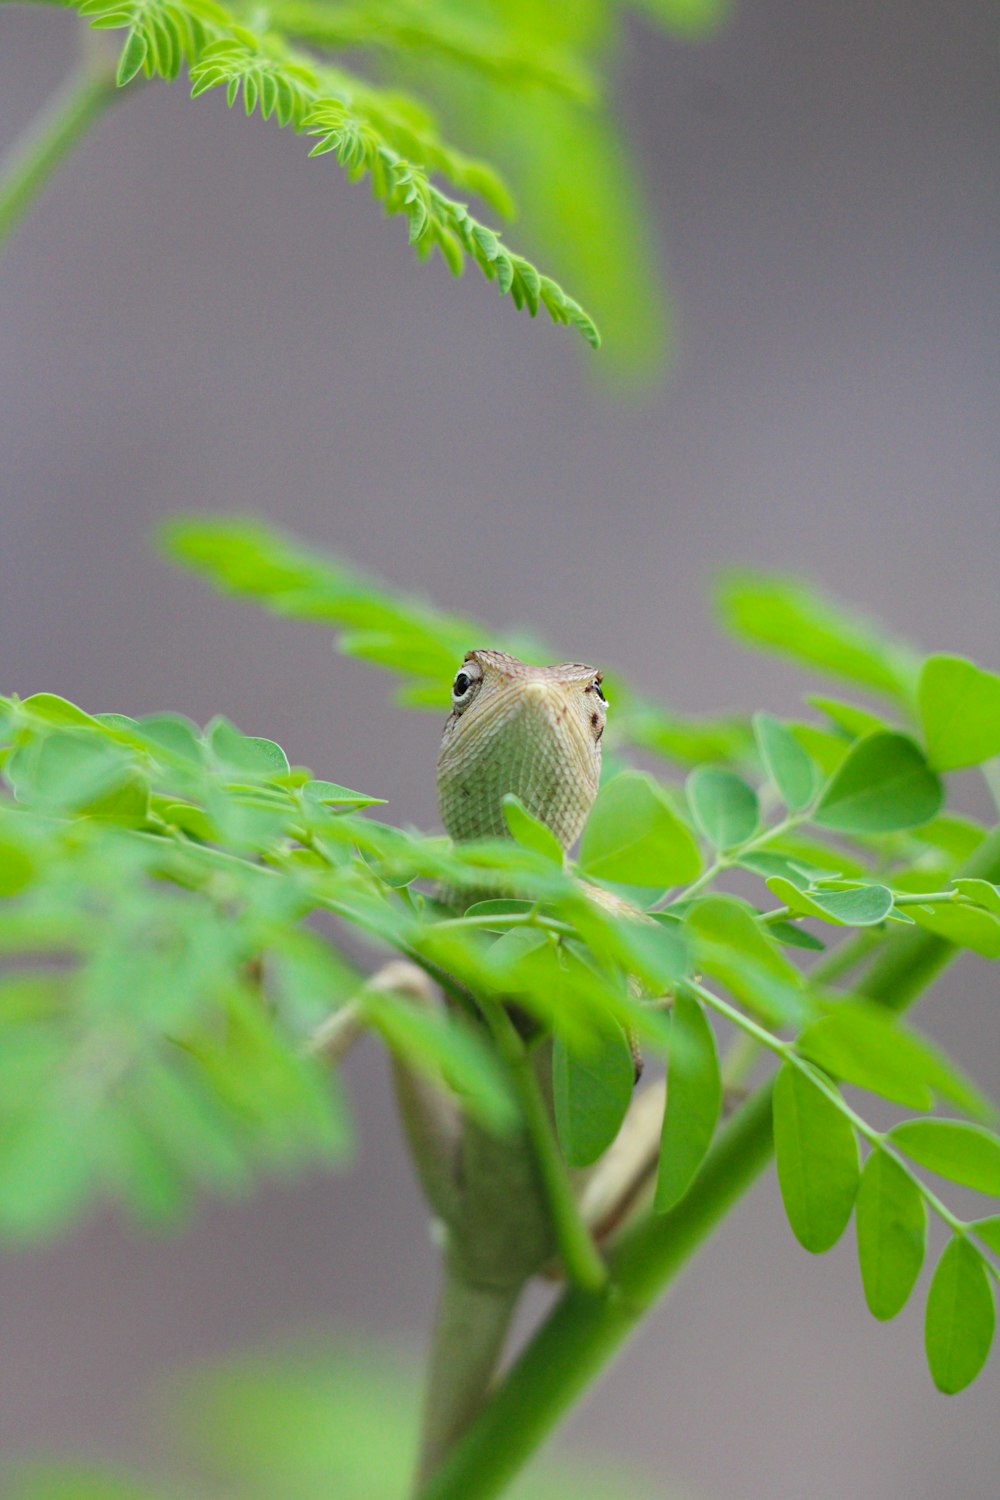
(64, 122)
(583, 1333)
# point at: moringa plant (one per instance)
(182, 910)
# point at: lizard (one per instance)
(535, 731)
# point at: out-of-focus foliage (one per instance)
(526, 83)
(161, 980)
(307, 1425)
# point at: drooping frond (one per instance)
(377, 133)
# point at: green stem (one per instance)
(582, 1334)
(841, 960)
(65, 120)
(877, 1139)
(583, 1265)
(733, 856)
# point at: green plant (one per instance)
(162, 980)
(365, 84)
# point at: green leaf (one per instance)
(444, 1047)
(530, 831)
(963, 1153)
(723, 806)
(965, 926)
(268, 755)
(789, 617)
(959, 707)
(592, 1090)
(817, 1160)
(731, 944)
(891, 1221)
(687, 740)
(791, 936)
(17, 867)
(45, 1172)
(330, 794)
(52, 709)
(958, 1330)
(500, 908)
(862, 906)
(883, 786)
(243, 752)
(70, 769)
(132, 58)
(850, 717)
(175, 734)
(988, 1231)
(786, 762)
(694, 1102)
(862, 1044)
(982, 892)
(655, 952)
(634, 837)
(825, 747)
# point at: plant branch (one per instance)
(582, 1334)
(69, 114)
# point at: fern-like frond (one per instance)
(435, 220)
(375, 133)
(162, 34)
(268, 78)
(409, 128)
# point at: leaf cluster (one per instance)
(178, 904)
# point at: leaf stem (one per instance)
(52, 135)
(731, 857)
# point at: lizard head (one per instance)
(533, 731)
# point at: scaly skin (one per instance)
(536, 732)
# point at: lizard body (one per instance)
(535, 732)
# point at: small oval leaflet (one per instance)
(722, 804)
(530, 832)
(694, 1102)
(959, 707)
(965, 926)
(958, 1330)
(634, 837)
(786, 762)
(967, 1154)
(592, 1090)
(883, 786)
(891, 1223)
(817, 1160)
(860, 906)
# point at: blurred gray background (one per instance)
(196, 317)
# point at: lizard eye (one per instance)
(466, 681)
(595, 687)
